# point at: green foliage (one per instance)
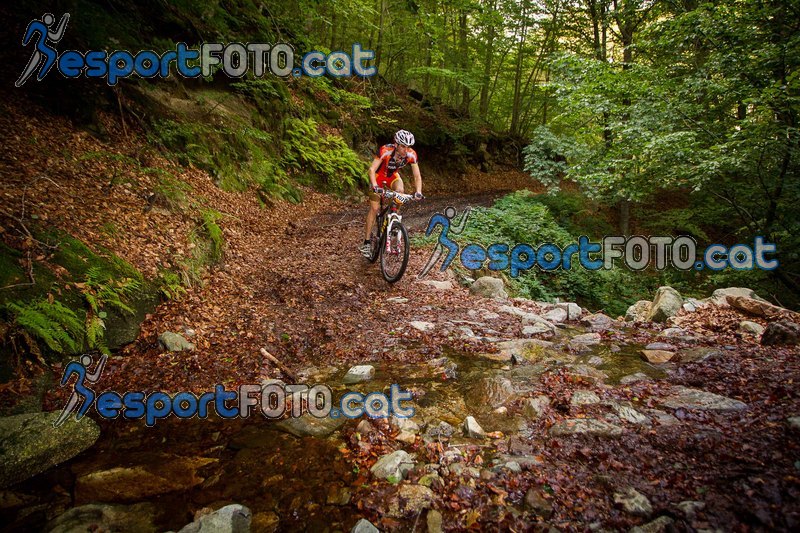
(49, 321)
(101, 293)
(214, 234)
(322, 158)
(171, 285)
(172, 192)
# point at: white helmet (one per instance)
(404, 137)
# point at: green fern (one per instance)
(51, 322)
(214, 232)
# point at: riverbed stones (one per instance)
(598, 322)
(535, 407)
(472, 429)
(659, 525)
(638, 312)
(657, 357)
(584, 397)
(364, 526)
(781, 332)
(666, 303)
(173, 342)
(438, 285)
(395, 465)
(585, 426)
(556, 315)
(688, 398)
(421, 325)
(143, 477)
(573, 310)
(359, 373)
(586, 339)
(489, 287)
(29, 444)
(749, 327)
(633, 502)
(630, 379)
(105, 517)
(232, 518)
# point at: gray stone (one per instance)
(535, 407)
(721, 295)
(441, 430)
(595, 360)
(751, 328)
(556, 315)
(659, 525)
(395, 465)
(633, 378)
(794, 423)
(233, 518)
(781, 332)
(105, 517)
(666, 303)
(628, 414)
(662, 418)
(698, 355)
(489, 287)
(585, 426)
(633, 502)
(364, 526)
(397, 300)
(584, 397)
(405, 424)
(422, 325)
(690, 507)
(598, 322)
(536, 502)
(172, 342)
(438, 285)
(359, 373)
(573, 310)
(587, 339)
(308, 424)
(472, 429)
(687, 398)
(536, 329)
(657, 357)
(638, 312)
(29, 444)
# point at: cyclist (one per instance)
(383, 174)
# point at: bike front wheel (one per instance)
(375, 242)
(394, 253)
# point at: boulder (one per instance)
(782, 332)
(489, 287)
(659, 525)
(173, 342)
(633, 502)
(666, 303)
(422, 325)
(687, 398)
(472, 429)
(556, 315)
(535, 407)
(587, 339)
(721, 295)
(394, 465)
(29, 444)
(751, 328)
(759, 308)
(105, 517)
(573, 310)
(638, 312)
(585, 426)
(144, 476)
(364, 526)
(359, 373)
(411, 500)
(657, 357)
(434, 521)
(598, 322)
(233, 518)
(584, 397)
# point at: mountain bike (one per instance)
(389, 237)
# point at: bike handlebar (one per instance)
(400, 197)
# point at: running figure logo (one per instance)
(80, 390)
(445, 243)
(45, 45)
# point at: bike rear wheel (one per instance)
(395, 260)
